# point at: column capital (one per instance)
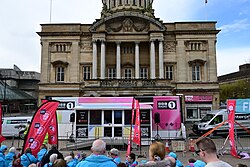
(137, 42)
(118, 42)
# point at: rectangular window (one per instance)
(95, 117)
(192, 113)
(117, 131)
(128, 115)
(111, 73)
(169, 72)
(196, 73)
(107, 131)
(86, 72)
(144, 73)
(60, 74)
(128, 73)
(117, 117)
(107, 117)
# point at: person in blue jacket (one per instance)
(177, 161)
(52, 159)
(27, 158)
(70, 161)
(43, 151)
(98, 157)
(131, 160)
(3, 149)
(114, 153)
(199, 163)
(10, 157)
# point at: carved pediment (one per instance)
(127, 25)
(127, 22)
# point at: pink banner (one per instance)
(231, 117)
(53, 131)
(130, 134)
(198, 98)
(137, 132)
(169, 109)
(1, 123)
(40, 125)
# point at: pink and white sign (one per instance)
(169, 109)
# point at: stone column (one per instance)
(46, 62)
(152, 59)
(118, 60)
(94, 64)
(103, 64)
(161, 61)
(137, 60)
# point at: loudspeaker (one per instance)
(72, 117)
(157, 118)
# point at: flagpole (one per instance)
(206, 10)
(50, 13)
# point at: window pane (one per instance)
(117, 117)
(169, 72)
(128, 117)
(107, 131)
(95, 117)
(86, 72)
(107, 117)
(192, 113)
(117, 131)
(60, 74)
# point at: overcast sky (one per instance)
(21, 19)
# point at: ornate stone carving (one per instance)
(86, 46)
(170, 46)
(128, 25)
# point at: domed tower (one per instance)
(115, 6)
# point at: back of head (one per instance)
(132, 156)
(157, 149)
(241, 165)
(68, 158)
(59, 163)
(114, 151)
(53, 157)
(27, 150)
(3, 148)
(207, 145)
(43, 146)
(12, 150)
(98, 146)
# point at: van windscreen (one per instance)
(207, 117)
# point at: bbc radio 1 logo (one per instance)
(171, 105)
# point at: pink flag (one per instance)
(137, 131)
(43, 118)
(231, 117)
(1, 137)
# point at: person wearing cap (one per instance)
(3, 149)
(199, 163)
(10, 157)
(114, 153)
(177, 161)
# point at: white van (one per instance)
(12, 126)
(214, 118)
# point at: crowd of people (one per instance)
(157, 157)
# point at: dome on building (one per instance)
(114, 6)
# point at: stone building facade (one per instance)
(129, 52)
